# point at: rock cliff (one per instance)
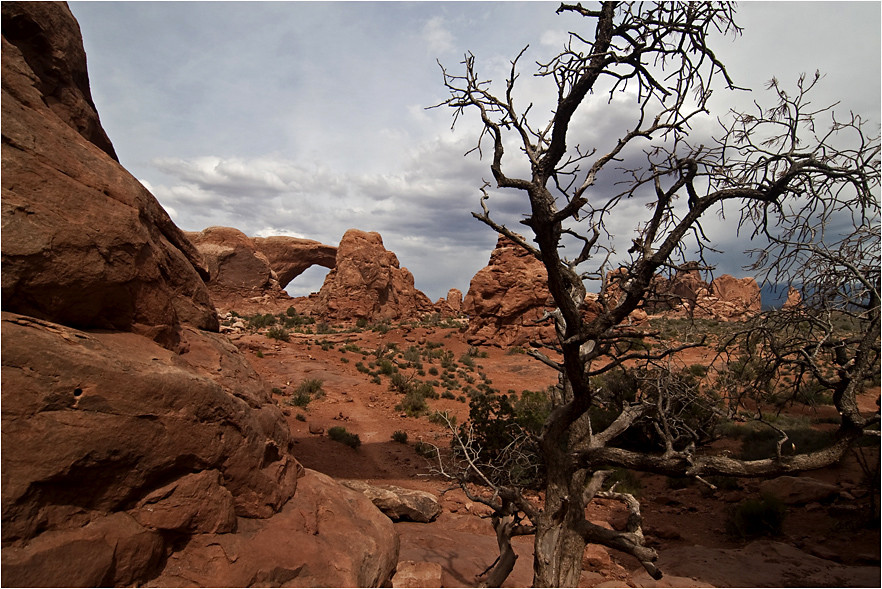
(129, 428)
(84, 243)
(367, 283)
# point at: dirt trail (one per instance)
(821, 546)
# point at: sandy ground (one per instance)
(822, 545)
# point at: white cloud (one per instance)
(437, 36)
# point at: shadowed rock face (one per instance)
(367, 283)
(118, 451)
(84, 244)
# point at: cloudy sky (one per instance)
(309, 118)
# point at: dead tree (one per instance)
(789, 179)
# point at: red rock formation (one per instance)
(289, 257)
(116, 450)
(687, 294)
(794, 299)
(240, 277)
(506, 298)
(367, 283)
(84, 243)
(451, 305)
(732, 299)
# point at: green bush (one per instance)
(259, 321)
(278, 333)
(414, 404)
(757, 444)
(443, 418)
(306, 391)
(757, 517)
(425, 450)
(399, 436)
(339, 434)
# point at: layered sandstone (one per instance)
(368, 283)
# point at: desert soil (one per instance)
(822, 544)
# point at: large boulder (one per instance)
(240, 277)
(507, 297)
(367, 283)
(326, 536)
(103, 423)
(398, 503)
(84, 243)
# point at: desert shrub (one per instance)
(361, 323)
(447, 395)
(300, 417)
(277, 391)
(259, 320)
(387, 367)
(757, 444)
(413, 403)
(467, 360)
(625, 481)
(259, 353)
(340, 434)
(381, 327)
(278, 333)
(412, 354)
(757, 517)
(399, 436)
(306, 391)
(400, 383)
(433, 371)
(425, 450)
(443, 418)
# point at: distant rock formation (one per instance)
(506, 297)
(289, 257)
(248, 274)
(687, 294)
(84, 243)
(451, 305)
(125, 461)
(794, 299)
(235, 267)
(367, 283)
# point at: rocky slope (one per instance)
(129, 428)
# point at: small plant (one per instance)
(306, 391)
(340, 434)
(399, 436)
(757, 517)
(442, 418)
(625, 481)
(259, 354)
(426, 450)
(300, 417)
(278, 333)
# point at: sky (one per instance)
(310, 118)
